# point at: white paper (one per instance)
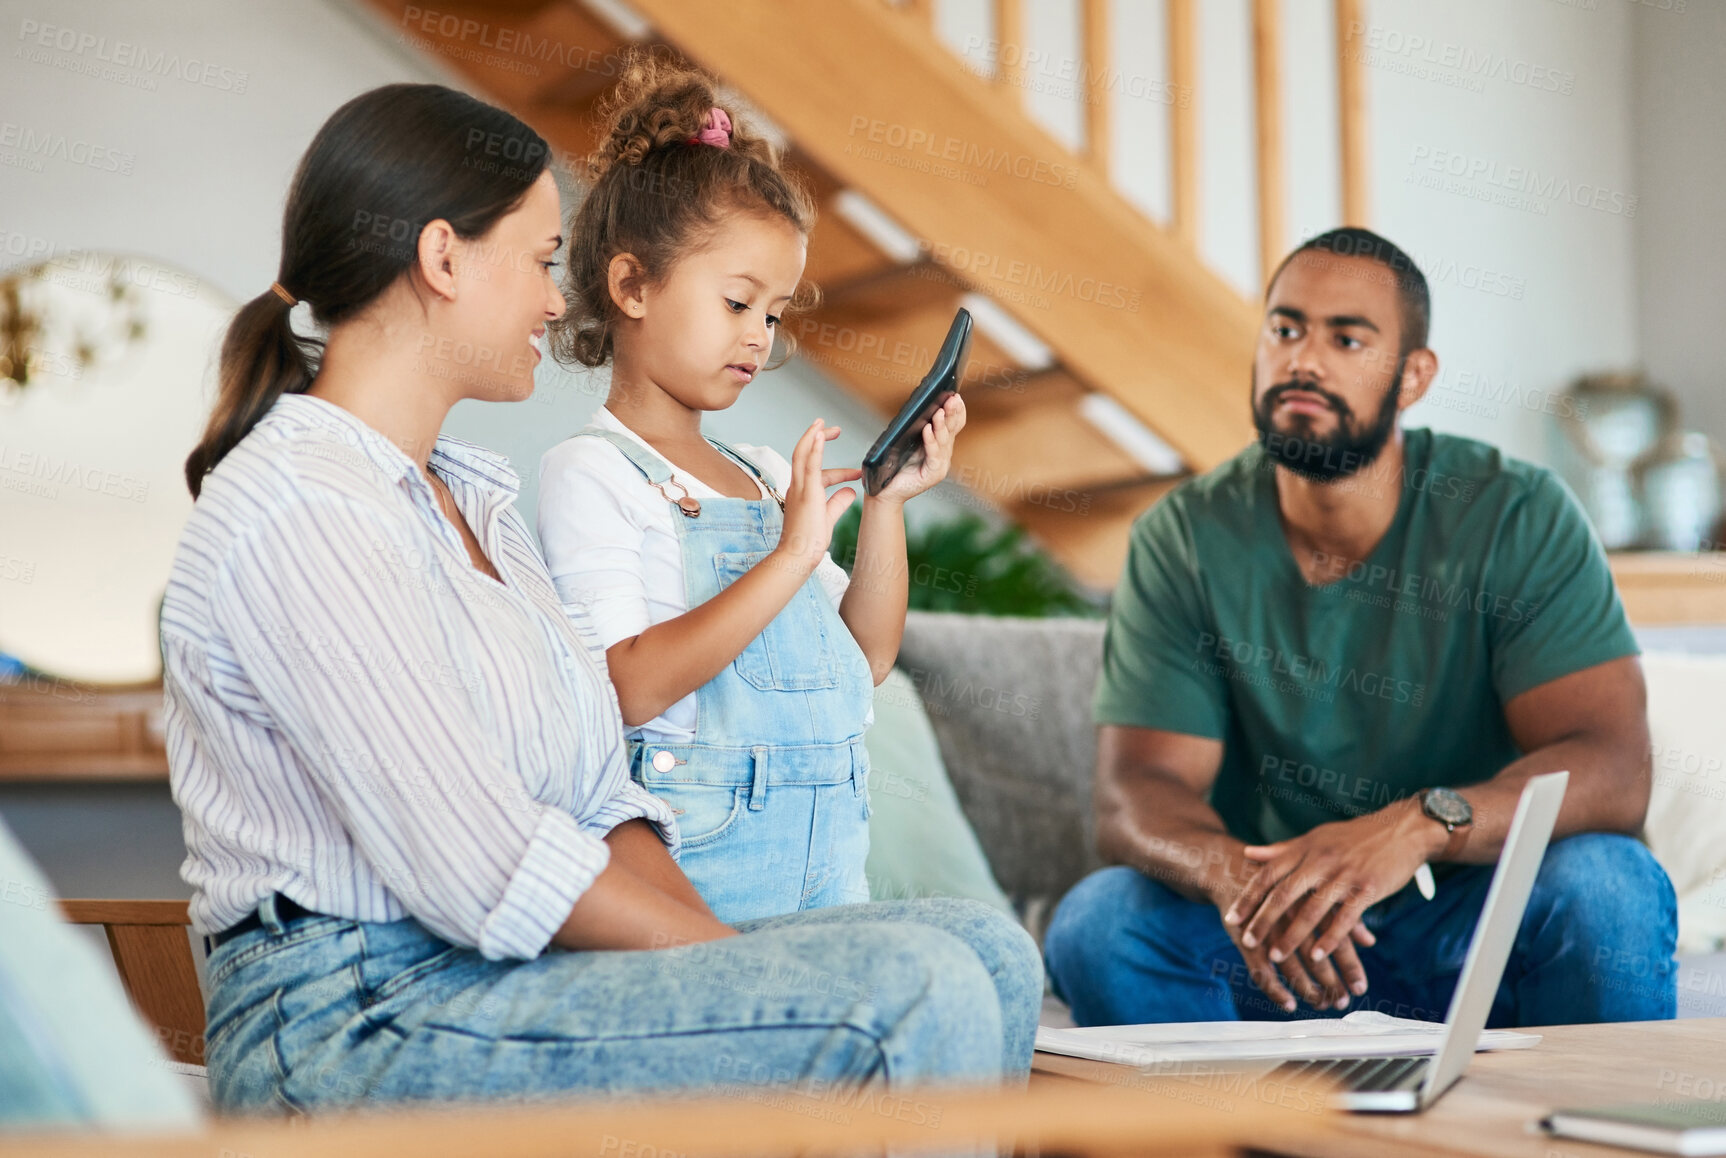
(1359, 1034)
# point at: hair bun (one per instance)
(660, 178)
(660, 101)
(657, 102)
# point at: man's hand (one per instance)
(1324, 983)
(1336, 870)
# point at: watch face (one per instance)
(1447, 806)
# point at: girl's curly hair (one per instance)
(656, 195)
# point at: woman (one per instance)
(411, 831)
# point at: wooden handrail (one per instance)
(1351, 111)
(1010, 34)
(1268, 133)
(998, 196)
(1183, 49)
(1095, 34)
(1269, 141)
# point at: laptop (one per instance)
(1410, 1084)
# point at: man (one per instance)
(1337, 658)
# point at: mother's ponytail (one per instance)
(262, 359)
(385, 165)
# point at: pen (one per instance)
(1423, 880)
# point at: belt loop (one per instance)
(267, 915)
(758, 786)
(859, 768)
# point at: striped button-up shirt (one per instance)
(361, 720)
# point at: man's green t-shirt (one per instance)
(1333, 700)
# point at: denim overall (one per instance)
(772, 797)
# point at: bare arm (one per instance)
(1152, 812)
(641, 901)
(669, 660)
(1592, 723)
(636, 845)
(620, 910)
(1153, 816)
(874, 604)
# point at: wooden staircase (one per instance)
(1109, 361)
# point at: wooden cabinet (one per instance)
(56, 730)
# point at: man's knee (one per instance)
(1616, 874)
(1609, 888)
(1119, 902)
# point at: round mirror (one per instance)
(107, 373)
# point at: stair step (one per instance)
(888, 110)
(1045, 445)
(985, 403)
(1121, 306)
(1088, 532)
(894, 288)
(520, 54)
(879, 338)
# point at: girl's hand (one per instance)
(924, 470)
(809, 511)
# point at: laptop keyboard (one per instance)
(1359, 1074)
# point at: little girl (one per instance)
(744, 660)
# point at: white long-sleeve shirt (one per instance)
(361, 720)
(612, 547)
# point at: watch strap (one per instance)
(1458, 837)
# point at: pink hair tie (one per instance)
(715, 131)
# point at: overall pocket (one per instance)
(793, 654)
(704, 812)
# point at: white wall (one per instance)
(209, 170)
(201, 174)
(1679, 115)
(1529, 251)
(1528, 291)
(210, 166)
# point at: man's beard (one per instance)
(1341, 453)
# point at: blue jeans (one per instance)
(1595, 945)
(322, 1012)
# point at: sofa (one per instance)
(1009, 704)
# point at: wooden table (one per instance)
(1493, 1108)
(1064, 1117)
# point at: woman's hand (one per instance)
(809, 511)
(937, 454)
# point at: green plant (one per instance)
(968, 565)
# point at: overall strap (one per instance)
(766, 483)
(646, 461)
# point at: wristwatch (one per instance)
(1450, 809)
